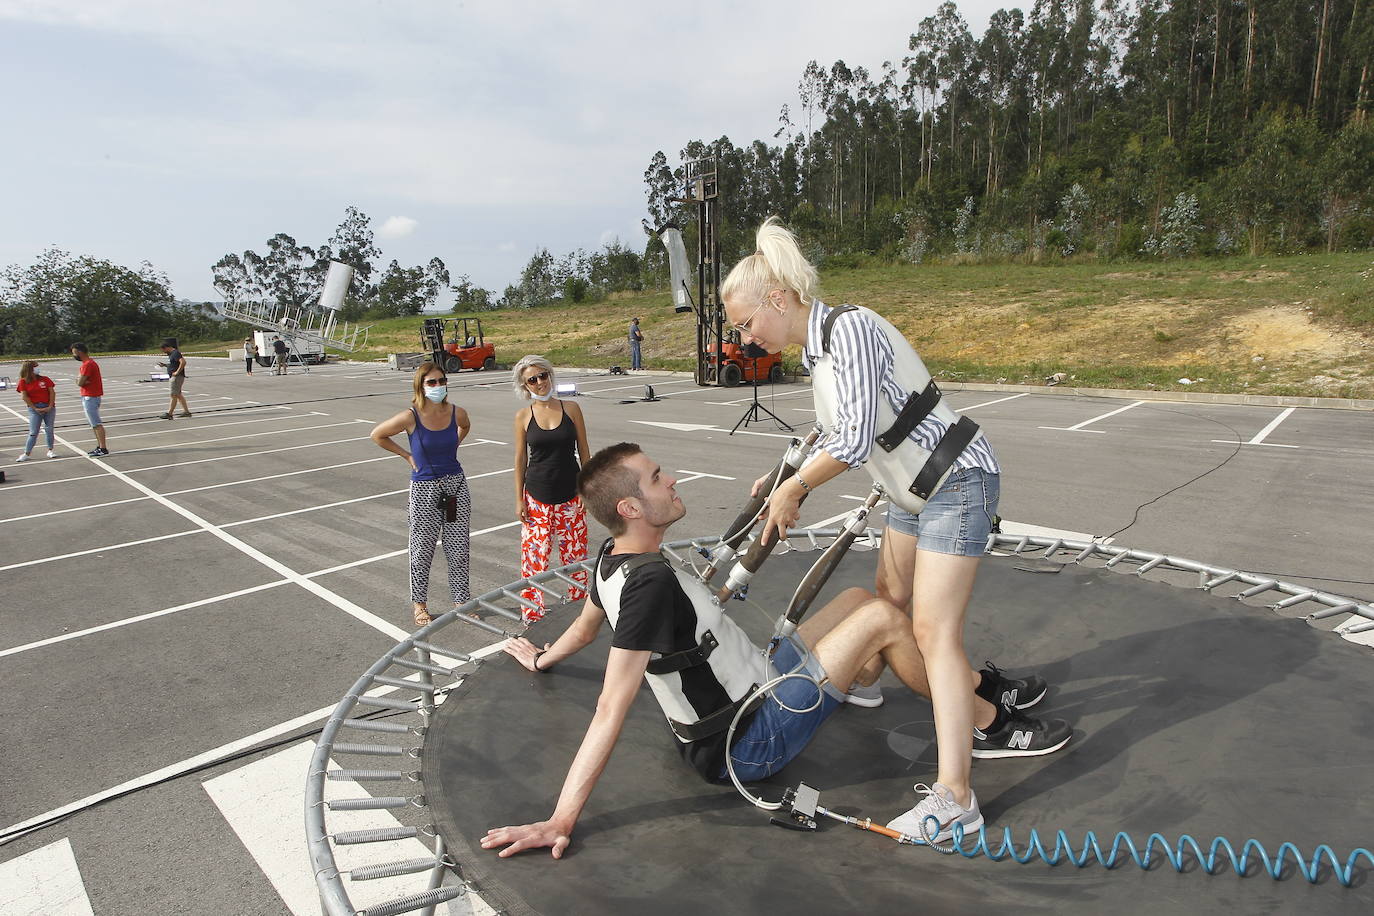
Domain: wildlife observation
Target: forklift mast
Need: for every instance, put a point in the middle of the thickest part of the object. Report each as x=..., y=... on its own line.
x=702, y=190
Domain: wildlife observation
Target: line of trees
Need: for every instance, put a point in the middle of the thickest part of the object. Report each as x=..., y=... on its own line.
x=59, y=299
x=293, y=274
x=1170, y=127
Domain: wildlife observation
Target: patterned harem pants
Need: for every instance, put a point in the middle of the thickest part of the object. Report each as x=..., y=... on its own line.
x=426, y=525
x=566, y=521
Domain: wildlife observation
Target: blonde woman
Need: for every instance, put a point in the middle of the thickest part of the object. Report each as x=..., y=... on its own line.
x=439, y=498
x=40, y=397
x=864, y=374
x=550, y=437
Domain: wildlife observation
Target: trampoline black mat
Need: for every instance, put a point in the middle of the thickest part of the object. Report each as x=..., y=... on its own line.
x=1193, y=714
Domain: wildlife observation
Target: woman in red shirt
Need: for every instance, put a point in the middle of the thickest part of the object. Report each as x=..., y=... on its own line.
x=40, y=396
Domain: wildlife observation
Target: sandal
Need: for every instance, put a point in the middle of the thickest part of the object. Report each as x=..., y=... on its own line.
x=422, y=618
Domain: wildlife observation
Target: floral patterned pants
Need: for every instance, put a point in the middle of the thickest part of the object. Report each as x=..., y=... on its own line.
x=566, y=521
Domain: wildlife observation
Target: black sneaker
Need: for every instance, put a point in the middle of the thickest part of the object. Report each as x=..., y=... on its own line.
x=1017, y=693
x=1020, y=736
x=98, y=452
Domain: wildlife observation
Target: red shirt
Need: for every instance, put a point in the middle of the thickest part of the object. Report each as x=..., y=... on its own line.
x=37, y=388
x=93, y=388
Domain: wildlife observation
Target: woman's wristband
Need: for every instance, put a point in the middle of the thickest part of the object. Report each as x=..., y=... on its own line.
x=536, y=660
x=804, y=485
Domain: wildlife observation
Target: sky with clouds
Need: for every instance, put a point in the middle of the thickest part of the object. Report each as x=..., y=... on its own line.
x=176, y=132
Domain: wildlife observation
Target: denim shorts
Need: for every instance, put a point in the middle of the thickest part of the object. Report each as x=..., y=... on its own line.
x=92, y=407
x=776, y=734
x=958, y=518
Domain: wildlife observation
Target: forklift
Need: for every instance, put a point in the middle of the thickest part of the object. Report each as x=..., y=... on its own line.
x=466, y=346
x=721, y=359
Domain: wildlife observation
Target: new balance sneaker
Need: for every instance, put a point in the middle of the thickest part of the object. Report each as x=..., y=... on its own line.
x=98, y=452
x=936, y=814
x=869, y=696
x=1013, y=734
x=1000, y=690
x=23, y=457
x=52, y=454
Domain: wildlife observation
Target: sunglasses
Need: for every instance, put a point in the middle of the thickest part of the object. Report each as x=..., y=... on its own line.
x=534, y=379
x=743, y=326
x=435, y=382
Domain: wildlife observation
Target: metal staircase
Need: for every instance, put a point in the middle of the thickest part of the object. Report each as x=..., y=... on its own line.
x=295, y=323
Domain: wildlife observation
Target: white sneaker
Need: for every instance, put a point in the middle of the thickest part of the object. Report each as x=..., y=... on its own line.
x=870, y=696
x=22, y=458
x=936, y=814
x=52, y=454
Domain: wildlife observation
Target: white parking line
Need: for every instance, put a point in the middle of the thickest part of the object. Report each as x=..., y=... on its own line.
x=1010, y=397
x=271, y=432
x=1264, y=433
x=1078, y=427
x=45, y=882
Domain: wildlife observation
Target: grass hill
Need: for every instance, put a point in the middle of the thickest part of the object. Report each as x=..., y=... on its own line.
x=1300, y=325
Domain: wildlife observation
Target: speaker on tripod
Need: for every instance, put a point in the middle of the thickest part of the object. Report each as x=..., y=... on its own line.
x=756, y=412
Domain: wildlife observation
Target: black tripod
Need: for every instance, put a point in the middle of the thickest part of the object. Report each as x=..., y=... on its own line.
x=756, y=410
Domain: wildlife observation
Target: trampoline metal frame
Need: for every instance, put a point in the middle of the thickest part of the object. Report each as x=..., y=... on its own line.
x=419, y=673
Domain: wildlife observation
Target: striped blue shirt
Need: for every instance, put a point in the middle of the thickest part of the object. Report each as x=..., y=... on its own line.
x=864, y=369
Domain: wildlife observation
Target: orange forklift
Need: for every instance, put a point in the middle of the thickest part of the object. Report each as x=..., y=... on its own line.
x=457, y=344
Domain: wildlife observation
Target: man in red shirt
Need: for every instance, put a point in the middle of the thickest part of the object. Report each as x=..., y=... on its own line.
x=92, y=390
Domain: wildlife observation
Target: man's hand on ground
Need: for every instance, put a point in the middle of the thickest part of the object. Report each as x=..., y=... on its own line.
x=528, y=836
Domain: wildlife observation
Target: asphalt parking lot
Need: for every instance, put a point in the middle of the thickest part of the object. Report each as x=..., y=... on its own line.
x=217, y=578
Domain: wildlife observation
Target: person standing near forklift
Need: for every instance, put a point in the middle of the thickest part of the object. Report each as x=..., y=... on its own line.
x=636, y=338
x=279, y=355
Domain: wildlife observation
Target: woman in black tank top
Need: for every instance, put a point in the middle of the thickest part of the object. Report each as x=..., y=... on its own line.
x=550, y=438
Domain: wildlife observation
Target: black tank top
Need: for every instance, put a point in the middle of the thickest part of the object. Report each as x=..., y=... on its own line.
x=551, y=476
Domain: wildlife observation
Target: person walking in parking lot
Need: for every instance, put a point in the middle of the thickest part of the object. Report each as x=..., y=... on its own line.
x=40, y=397
x=439, y=500
x=92, y=391
x=279, y=355
x=176, y=374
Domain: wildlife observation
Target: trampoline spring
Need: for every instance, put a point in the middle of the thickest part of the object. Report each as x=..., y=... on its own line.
x=1348, y=608
x=373, y=775
x=1257, y=589
x=480, y=624
x=1087, y=552
x=420, y=666
x=1292, y=600
x=387, y=703
x=1021, y=544
x=567, y=579
x=1124, y=555
x=369, y=803
x=376, y=750
x=393, y=869
x=497, y=609
x=368, y=725
x=1359, y=628
x=402, y=683
x=375, y=835
x=521, y=599
x=1151, y=564
x=415, y=901
x=1210, y=584
x=440, y=650
x=1053, y=547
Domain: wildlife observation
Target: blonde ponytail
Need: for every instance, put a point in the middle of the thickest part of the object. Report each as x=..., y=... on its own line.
x=777, y=264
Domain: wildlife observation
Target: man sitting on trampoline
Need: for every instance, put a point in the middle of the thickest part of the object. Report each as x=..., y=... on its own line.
x=669, y=629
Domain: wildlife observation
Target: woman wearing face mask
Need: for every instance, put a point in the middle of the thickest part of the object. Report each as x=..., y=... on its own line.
x=439, y=500
x=550, y=437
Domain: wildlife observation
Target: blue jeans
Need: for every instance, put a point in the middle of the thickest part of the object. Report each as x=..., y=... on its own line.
x=36, y=420
x=776, y=734
x=634, y=354
x=958, y=518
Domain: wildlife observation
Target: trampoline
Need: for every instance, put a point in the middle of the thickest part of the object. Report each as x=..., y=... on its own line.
x=1195, y=715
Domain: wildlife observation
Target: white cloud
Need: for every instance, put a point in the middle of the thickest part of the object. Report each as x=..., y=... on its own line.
x=398, y=227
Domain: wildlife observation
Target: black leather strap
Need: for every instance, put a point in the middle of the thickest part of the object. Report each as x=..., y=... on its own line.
x=916, y=409
x=947, y=451
x=830, y=323
x=687, y=658
x=717, y=721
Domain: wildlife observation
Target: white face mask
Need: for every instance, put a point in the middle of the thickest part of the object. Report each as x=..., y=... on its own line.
x=542, y=397
x=437, y=393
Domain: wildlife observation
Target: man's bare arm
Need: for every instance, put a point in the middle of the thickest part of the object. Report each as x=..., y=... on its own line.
x=624, y=670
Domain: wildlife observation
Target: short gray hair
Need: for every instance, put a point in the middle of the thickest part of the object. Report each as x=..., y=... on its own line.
x=517, y=375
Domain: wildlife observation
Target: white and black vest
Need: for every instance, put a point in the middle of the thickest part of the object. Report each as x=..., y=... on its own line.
x=722, y=651
x=907, y=471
